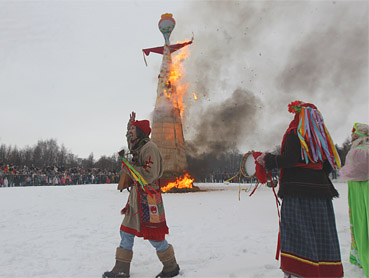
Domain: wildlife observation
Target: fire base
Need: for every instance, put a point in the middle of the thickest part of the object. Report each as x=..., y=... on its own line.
x=194, y=188
x=165, y=181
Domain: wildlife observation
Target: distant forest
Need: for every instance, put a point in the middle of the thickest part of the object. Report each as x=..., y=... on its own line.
x=48, y=153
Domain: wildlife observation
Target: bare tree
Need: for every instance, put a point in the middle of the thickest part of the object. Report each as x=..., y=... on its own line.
x=89, y=162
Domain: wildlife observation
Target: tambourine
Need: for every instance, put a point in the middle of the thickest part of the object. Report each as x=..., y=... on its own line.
x=248, y=166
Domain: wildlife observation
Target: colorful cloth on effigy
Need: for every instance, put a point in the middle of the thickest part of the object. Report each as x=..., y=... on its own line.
x=309, y=241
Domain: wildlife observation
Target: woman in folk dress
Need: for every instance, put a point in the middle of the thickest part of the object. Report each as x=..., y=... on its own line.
x=309, y=244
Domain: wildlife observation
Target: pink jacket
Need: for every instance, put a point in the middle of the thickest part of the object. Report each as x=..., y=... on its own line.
x=357, y=165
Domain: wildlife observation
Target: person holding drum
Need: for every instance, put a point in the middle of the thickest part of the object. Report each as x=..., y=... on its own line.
x=309, y=245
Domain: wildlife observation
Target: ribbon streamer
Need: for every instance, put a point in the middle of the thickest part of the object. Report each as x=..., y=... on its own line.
x=137, y=176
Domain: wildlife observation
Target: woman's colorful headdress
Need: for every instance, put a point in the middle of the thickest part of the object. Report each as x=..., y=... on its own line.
x=354, y=130
x=316, y=143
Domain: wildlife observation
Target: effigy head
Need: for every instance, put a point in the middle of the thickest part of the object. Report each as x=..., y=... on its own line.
x=166, y=26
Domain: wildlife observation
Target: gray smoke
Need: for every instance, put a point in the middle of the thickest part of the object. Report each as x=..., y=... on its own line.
x=249, y=55
x=332, y=57
x=221, y=127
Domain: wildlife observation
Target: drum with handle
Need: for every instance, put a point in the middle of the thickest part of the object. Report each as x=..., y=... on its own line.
x=248, y=166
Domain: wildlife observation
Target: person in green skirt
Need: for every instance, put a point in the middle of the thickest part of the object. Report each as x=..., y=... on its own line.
x=356, y=172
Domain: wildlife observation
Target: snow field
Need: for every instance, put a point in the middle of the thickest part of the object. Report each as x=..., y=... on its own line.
x=73, y=231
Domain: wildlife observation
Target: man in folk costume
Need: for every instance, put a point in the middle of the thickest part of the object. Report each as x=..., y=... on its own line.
x=308, y=240
x=356, y=172
x=144, y=212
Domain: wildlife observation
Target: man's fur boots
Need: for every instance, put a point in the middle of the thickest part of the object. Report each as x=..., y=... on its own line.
x=170, y=266
x=122, y=264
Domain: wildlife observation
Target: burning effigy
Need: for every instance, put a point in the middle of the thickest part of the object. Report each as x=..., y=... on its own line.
x=167, y=130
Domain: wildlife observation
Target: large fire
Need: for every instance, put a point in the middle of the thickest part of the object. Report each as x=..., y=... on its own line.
x=177, y=72
x=183, y=182
x=179, y=87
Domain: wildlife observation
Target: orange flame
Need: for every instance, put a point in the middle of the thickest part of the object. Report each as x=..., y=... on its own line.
x=185, y=182
x=194, y=96
x=177, y=73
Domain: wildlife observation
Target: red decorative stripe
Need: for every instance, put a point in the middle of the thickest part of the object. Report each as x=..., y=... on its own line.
x=315, y=166
x=308, y=268
x=157, y=234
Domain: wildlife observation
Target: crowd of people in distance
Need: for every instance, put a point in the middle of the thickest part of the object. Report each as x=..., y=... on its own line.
x=12, y=175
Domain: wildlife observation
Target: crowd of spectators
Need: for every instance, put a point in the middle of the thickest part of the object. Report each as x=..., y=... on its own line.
x=11, y=175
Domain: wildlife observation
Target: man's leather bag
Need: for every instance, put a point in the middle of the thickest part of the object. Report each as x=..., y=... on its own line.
x=124, y=181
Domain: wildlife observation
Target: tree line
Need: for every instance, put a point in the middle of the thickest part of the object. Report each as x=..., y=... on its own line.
x=48, y=153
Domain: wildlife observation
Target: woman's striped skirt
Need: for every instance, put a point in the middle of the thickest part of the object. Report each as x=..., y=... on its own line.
x=309, y=241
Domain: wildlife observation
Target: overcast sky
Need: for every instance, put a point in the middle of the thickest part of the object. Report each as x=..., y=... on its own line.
x=73, y=70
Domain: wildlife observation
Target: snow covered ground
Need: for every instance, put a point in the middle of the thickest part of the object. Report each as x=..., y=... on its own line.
x=72, y=231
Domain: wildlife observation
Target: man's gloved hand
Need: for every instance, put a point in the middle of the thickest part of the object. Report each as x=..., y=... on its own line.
x=260, y=159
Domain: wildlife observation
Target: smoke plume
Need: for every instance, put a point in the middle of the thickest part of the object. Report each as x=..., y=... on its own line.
x=250, y=59
x=221, y=126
